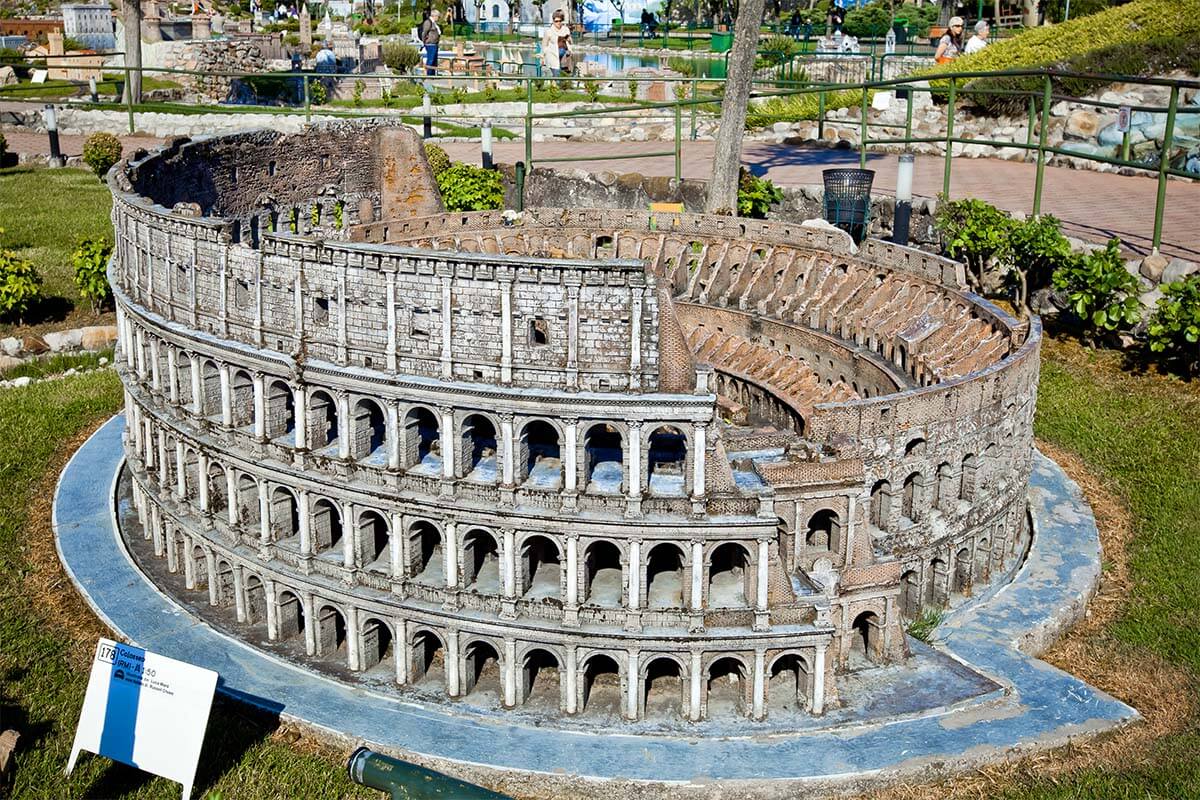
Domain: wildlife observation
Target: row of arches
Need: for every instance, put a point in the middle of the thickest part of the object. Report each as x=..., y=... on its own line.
x=479, y=446
x=495, y=672
x=919, y=494
x=956, y=573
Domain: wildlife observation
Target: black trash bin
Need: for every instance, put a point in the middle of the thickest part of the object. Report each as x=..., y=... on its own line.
x=847, y=201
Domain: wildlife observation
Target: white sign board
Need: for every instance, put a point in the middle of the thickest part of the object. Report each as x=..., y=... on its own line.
x=39, y=75
x=1124, y=118
x=145, y=710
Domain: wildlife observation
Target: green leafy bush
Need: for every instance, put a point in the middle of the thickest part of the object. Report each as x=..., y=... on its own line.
x=871, y=20
x=1036, y=248
x=459, y=94
x=91, y=260
x=469, y=188
x=796, y=107
x=633, y=91
x=400, y=57
x=922, y=627
x=976, y=233
x=359, y=86
x=756, y=195
x=20, y=285
x=439, y=162
x=592, y=87
x=3, y=146
x=1102, y=294
x=779, y=48
x=1174, y=328
x=100, y=152
x=317, y=93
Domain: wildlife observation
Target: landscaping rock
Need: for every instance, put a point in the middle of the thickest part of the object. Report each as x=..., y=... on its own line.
x=98, y=337
x=63, y=341
x=8, y=362
x=34, y=345
x=1153, y=266
x=22, y=381
x=8, y=77
x=1060, y=109
x=1150, y=299
x=1083, y=124
x=1109, y=136
x=1178, y=269
x=10, y=346
x=882, y=101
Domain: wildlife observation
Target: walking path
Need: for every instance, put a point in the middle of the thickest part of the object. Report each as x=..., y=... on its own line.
x=1092, y=205
x=1041, y=707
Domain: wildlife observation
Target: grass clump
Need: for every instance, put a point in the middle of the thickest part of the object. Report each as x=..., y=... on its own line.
x=922, y=628
x=797, y=107
x=57, y=364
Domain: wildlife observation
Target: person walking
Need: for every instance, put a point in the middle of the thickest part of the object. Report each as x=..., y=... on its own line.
x=431, y=35
x=556, y=46
x=980, y=39
x=951, y=44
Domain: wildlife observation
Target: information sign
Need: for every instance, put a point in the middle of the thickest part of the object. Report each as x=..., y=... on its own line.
x=1124, y=117
x=145, y=710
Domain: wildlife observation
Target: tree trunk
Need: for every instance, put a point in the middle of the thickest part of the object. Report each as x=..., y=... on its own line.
x=131, y=18
x=723, y=186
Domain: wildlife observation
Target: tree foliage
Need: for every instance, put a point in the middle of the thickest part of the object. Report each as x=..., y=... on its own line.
x=1102, y=294
x=468, y=188
x=91, y=262
x=20, y=285
x=1174, y=328
x=100, y=152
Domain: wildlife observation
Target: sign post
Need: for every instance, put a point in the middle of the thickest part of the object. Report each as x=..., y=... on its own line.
x=145, y=710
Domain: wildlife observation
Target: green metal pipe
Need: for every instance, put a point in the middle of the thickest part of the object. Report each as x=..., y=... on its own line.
x=405, y=781
x=821, y=115
x=529, y=124
x=695, y=97
x=307, y=101
x=678, y=142
x=1164, y=164
x=949, y=139
x=1043, y=130
x=129, y=99
x=862, y=131
x=1032, y=121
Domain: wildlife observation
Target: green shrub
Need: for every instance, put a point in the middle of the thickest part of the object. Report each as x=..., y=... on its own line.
x=633, y=91
x=20, y=285
x=317, y=93
x=3, y=146
x=1102, y=294
x=359, y=86
x=925, y=624
x=100, y=152
x=1174, y=328
x=400, y=57
x=871, y=20
x=1035, y=249
x=469, y=188
x=975, y=232
x=91, y=260
x=592, y=87
x=439, y=162
x=779, y=48
x=796, y=107
x=459, y=94
x=756, y=195
x=553, y=92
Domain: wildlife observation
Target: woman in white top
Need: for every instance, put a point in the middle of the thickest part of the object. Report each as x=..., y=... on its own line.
x=979, y=40
x=556, y=45
x=951, y=45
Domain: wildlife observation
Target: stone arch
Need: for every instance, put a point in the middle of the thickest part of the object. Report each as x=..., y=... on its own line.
x=377, y=644
x=482, y=669
x=422, y=440
x=600, y=687
x=426, y=553
x=225, y=583
x=938, y=577
x=866, y=639
x=664, y=687
x=916, y=447
x=824, y=531
x=368, y=432
x=603, y=574
x=285, y=515
x=910, y=593
x=324, y=426
x=289, y=614
x=727, y=690
x=241, y=396
x=730, y=576
x=255, y=599
x=210, y=389
x=374, y=540
x=478, y=449
x=945, y=491
x=788, y=676
x=970, y=468
x=330, y=631
x=603, y=459
x=248, y=506
x=881, y=504
x=962, y=571
x=191, y=475
x=539, y=455
x=539, y=568
x=481, y=561
x=913, y=502
x=427, y=652
x=666, y=461
x=281, y=412
x=983, y=559
x=541, y=678
x=218, y=488
x=326, y=527
x=665, y=575
x=183, y=377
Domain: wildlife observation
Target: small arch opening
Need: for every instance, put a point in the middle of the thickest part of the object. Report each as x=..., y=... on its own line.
x=540, y=456
x=664, y=577
x=602, y=574
x=729, y=577
x=541, y=569
x=603, y=460
x=666, y=462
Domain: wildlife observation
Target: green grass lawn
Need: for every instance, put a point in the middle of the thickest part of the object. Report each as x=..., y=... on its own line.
x=44, y=213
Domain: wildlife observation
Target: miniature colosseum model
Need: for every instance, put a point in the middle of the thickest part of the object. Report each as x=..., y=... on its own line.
x=667, y=465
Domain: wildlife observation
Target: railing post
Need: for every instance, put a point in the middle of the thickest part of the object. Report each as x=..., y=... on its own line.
x=520, y=178
x=529, y=123
x=1125, y=145
x=821, y=115
x=1029, y=130
x=129, y=97
x=949, y=138
x=1043, y=129
x=307, y=101
x=912, y=93
x=1164, y=164
x=862, y=130
x=678, y=140
x=695, y=96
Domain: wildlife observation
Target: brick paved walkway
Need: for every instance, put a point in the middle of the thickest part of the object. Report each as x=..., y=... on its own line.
x=1092, y=205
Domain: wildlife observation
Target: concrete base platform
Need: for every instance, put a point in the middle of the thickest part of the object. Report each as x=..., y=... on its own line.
x=994, y=698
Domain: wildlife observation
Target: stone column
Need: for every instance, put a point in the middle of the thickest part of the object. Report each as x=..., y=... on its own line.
x=508, y=606
x=570, y=455
x=310, y=625
x=304, y=522
x=447, y=317
x=396, y=546
x=452, y=684
x=570, y=674
x=392, y=332
x=353, y=643
x=300, y=404
x=260, y=406
x=180, y=473
x=759, y=704
x=572, y=570
x=762, y=617
x=393, y=433
x=446, y=430
x=345, y=426
x=264, y=515
x=155, y=372
x=272, y=610
x=635, y=461
x=450, y=556
x=696, y=674
x=635, y=338
x=202, y=482
x=506, y=449
x=506, y=338
x=632, y=686
x=231, y=493
x=697, y=576
x=818, y=694
x=197, y=387
x=635, y=574
x=172, y=377
x=510, y=673
x=226, y=397
x=699, y=444
x=572, y=332
x=349, y=536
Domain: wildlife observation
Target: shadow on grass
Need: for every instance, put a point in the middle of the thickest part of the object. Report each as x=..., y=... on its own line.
x=234, y=728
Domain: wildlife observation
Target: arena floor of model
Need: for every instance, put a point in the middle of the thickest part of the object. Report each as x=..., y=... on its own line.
x=977, y=696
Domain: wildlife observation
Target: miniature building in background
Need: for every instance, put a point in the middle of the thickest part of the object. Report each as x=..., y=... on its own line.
x=675, y=465
x=91, y=25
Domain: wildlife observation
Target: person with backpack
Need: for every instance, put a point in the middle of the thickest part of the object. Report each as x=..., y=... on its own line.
x=431, y=36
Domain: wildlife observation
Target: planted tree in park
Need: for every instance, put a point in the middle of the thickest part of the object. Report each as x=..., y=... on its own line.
x=91, y=262
x=100, y=152
x=723, y=185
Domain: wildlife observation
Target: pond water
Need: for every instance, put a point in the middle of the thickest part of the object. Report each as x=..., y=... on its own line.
x=609, y=63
